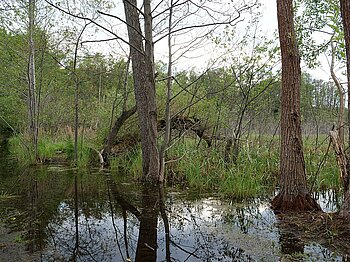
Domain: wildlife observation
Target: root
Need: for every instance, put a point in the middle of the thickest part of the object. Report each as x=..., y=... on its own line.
x=283, y=203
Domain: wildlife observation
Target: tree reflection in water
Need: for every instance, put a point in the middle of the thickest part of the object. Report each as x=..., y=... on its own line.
x=290, y=242
x=147, y=240
x=92, y=217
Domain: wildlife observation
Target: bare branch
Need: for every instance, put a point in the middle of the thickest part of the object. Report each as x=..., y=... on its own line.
x=121, y=20
x=95, y=23
x=98, y=40
x=228, y=22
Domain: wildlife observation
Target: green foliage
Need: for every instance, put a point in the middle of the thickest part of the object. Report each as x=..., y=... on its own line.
x=129, y=163
x=204, y=169
x=254, y=174
x=321, y=165
x=52, y=149
x=19, y=147
x=323, y=20
x=240, y=97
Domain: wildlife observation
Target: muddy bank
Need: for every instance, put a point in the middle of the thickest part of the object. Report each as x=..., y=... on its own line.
x=12, y=248
x=327, y=229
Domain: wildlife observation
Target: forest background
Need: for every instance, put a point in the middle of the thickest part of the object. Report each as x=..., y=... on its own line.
x=218, y=78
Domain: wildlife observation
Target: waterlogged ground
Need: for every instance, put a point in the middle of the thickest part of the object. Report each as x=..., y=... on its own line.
x=54, y=213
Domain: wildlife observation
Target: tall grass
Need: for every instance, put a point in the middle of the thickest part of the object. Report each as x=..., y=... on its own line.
x=321, y=164
x=129, y=163
x=197, y=166
x=256, y=171
x=204, y=169
x=50, y=148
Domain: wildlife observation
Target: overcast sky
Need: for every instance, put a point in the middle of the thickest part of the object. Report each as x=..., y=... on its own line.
x=202, y=57
x=269, y=23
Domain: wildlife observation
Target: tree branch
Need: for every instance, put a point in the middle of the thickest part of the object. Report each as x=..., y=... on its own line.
x=95, y=23
x=230, y=21
x=121, y=20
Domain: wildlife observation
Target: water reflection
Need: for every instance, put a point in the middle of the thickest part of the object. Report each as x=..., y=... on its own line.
x=67, y=215
x=289, y=239
x=147, y=240
x=329, y=200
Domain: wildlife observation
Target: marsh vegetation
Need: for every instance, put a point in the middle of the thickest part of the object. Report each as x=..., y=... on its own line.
x=125, y=138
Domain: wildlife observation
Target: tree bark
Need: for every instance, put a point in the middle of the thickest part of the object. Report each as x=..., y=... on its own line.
x=341, y=97
x=345, y=13
x=341, y=158
x=113, y=133
x=32, y=106
x=144, y=87
x=293, y=195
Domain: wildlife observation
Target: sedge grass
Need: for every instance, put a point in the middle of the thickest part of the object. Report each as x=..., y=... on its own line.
x=50, y=147
x=255, y=172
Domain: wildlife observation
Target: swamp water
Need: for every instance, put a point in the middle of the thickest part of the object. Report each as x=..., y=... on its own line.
x=60, y=214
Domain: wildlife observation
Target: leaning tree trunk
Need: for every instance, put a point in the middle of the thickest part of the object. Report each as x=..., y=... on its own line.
x=345, y=12
x=293, y=195
x=112, y=136
x=144, y=87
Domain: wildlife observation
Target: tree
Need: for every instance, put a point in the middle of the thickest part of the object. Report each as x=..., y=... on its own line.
x=163, y=147
x=32, y=94
x=293, y=195
x=323, y=18
x=144, y=86
x=345, y=12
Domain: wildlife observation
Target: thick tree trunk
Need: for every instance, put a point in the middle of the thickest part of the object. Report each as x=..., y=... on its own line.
x=345, y=209
x=345, y=12
x=293, y=195
x=144, y=86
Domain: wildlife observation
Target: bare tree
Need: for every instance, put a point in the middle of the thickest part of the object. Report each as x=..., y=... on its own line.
x=147, y=26
x=32, y=105
x=76, y=93
x=165, y=144
x=144, y=86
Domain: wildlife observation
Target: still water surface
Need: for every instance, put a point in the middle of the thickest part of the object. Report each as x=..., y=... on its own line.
x=68, y=215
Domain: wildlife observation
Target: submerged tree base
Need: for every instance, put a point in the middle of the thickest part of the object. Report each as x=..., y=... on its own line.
x=345, y=209
x=285, y=203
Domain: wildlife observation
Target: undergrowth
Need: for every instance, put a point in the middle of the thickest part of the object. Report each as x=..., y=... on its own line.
x=197, y=166
x=50, y=149
x=255, y=172
x=204, y=169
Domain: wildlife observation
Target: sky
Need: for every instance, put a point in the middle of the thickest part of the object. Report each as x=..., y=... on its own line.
x=203, y=56
x=269, y=23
